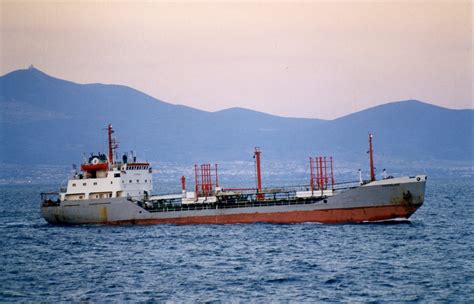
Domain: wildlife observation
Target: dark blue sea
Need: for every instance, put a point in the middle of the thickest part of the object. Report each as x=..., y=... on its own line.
x=428, y=259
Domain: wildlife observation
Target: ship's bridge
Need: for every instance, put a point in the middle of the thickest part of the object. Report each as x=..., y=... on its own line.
x=120, y=180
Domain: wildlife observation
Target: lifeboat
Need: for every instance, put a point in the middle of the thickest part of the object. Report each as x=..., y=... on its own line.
x=94, y=167
x=96, y=163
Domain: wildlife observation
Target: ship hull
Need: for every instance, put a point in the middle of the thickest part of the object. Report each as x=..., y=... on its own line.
x=376, y=201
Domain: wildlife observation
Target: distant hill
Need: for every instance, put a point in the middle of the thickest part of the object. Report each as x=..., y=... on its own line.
x=45, y=120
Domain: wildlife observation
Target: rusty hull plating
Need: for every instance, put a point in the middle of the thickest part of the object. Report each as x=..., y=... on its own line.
x=375, y=201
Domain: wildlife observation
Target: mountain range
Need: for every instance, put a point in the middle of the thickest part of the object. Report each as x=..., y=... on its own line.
x=46, y=120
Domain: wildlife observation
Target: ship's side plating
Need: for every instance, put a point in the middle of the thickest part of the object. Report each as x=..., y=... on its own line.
x=375, y=201
x=119, y=192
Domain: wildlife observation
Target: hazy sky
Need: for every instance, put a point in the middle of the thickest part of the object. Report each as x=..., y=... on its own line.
x=303, y=59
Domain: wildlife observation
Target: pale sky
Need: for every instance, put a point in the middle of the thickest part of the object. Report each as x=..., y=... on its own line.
x=300, y=59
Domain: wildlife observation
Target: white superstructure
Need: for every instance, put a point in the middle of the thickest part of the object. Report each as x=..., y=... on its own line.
x=103, y=177
x=123, y=180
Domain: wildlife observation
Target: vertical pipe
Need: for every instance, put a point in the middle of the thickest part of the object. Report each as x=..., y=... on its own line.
x=111, y=150
x=209, y=178
x=325, y=173
x=311, y=181
x=196, y=182
x=203, y=178
x=259, y=174
x=217, y=179
x=317, y=171
x=321, y=171
x=183, y=183
x=332, y=175
x=371, y=155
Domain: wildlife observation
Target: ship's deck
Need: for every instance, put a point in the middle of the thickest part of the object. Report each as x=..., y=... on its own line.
x=161, y=207
x=247, y=199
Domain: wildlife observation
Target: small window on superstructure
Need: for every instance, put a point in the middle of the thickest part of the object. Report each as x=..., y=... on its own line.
x=95, y=183
x=74, y=185
x=130, y=181
x=111, y=182
x=138, y=180
x=80, y=196
x=84, y=184
x=145, y=180
x=116, y=174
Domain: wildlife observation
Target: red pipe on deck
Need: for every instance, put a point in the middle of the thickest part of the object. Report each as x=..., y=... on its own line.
x=325, y=173
x=259, y=174
x=332, y=175
x=371, y=155
x=321, y=172
x=196, y=181
x=183, y=183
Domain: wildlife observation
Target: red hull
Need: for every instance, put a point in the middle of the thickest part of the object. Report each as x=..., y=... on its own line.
x=332, y=216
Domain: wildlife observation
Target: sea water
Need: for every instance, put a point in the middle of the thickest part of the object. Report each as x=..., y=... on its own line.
x=430, y=258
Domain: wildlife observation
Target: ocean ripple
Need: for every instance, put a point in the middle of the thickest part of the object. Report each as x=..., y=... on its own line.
x=429, y=258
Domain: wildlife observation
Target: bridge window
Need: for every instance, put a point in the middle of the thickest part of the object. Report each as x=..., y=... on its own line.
x=116, y=174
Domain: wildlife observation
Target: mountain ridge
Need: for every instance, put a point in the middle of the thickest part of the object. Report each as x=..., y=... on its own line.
x=49, y=120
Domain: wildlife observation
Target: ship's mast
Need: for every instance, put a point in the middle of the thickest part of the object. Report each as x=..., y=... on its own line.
x=371, y=155
x=112, y=144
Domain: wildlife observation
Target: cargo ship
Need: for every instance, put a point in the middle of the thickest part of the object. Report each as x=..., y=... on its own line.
x=116, y=192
